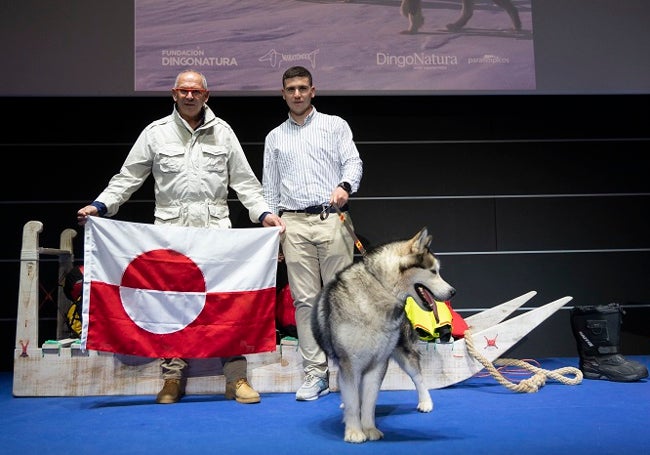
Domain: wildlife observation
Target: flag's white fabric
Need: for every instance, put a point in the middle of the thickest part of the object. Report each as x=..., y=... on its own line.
x=169, y=291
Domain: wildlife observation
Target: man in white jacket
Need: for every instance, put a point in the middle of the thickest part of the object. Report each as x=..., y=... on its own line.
x=194, y=157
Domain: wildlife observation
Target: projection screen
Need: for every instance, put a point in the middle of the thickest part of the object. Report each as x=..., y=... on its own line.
x=353, y=47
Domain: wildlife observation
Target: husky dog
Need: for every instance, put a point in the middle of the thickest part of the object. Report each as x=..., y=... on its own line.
x=360, y=322
x=412, y=9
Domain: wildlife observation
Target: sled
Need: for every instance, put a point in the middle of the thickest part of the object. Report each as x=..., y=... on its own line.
x=446, y=364
x=61, y=368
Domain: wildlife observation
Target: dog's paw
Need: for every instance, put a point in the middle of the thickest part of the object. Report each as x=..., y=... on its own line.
x=355, y=436
x=425, y=406
x=373, y=434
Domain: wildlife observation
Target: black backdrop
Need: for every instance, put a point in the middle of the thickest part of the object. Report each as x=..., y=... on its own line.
x=545, y=192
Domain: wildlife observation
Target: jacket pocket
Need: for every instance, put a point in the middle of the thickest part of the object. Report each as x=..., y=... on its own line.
x=214, y=158
x=165, y=215
x=219, y=211
x=171, y=160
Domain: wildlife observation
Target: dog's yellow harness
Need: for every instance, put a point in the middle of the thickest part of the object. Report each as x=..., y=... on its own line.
x=430, y=325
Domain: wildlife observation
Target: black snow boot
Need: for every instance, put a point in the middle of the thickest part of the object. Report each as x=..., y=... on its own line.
x=597, y=332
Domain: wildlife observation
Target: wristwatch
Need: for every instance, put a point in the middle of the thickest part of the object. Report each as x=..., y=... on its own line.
x=346, y=186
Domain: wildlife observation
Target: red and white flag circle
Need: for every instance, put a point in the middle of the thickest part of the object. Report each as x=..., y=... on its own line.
x=167, y=291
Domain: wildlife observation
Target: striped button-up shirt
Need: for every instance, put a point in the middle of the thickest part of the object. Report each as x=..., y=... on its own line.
x=304, y=163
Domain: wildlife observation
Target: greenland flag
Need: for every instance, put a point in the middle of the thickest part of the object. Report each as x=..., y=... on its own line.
x=169, y=291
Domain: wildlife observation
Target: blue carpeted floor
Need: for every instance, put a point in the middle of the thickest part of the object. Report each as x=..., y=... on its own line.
x=477, y=416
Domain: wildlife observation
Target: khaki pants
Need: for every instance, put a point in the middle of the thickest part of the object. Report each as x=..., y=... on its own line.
x=234, y=368
x=314, y=250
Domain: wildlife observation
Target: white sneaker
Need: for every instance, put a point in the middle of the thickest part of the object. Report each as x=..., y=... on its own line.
x=313, y=388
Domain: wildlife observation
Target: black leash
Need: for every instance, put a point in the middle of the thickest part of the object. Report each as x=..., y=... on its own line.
x=326, y=213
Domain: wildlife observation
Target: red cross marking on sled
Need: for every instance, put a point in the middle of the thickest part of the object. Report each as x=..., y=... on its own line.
x=23, y=347
x=491, y=343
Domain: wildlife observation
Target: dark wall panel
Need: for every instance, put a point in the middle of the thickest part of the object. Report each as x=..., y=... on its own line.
x=573, y=223
x=516, y=199
x=487, y=168
x=456, y=224
x=483, y=280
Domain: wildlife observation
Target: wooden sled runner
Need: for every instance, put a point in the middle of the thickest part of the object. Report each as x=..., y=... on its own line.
x=61, y=368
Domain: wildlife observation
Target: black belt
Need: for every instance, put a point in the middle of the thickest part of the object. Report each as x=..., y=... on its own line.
x=314, y=210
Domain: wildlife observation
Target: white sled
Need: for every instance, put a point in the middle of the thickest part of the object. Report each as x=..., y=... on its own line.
x=61, y=368
x=444, y=364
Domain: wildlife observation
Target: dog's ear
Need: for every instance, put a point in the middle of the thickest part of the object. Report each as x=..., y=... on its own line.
x=421, y=241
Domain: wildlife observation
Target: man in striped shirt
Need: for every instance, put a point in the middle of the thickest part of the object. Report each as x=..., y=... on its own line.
x=310, y=163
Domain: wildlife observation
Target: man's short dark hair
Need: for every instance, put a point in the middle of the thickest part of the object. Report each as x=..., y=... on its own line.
x=296, y=71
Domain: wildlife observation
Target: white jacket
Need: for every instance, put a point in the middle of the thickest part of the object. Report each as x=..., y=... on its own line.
x=192, y=171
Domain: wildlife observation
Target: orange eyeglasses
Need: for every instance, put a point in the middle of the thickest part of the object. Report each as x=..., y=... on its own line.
x=187, y=91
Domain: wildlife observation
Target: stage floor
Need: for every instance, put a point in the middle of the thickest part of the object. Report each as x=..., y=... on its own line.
x=477, y=416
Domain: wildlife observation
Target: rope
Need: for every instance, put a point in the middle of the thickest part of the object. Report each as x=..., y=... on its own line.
x=531, y=384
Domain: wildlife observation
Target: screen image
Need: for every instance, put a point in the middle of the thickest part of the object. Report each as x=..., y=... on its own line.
x=352, y=46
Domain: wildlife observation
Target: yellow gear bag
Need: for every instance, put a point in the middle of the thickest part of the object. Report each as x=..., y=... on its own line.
x=429, y=325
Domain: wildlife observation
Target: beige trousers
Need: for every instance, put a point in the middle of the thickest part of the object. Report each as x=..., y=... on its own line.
x=314, y=250
x=234, y=368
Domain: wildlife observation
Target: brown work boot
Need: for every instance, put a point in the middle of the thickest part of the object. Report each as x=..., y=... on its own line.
x=242, y=392
x=171, y=392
